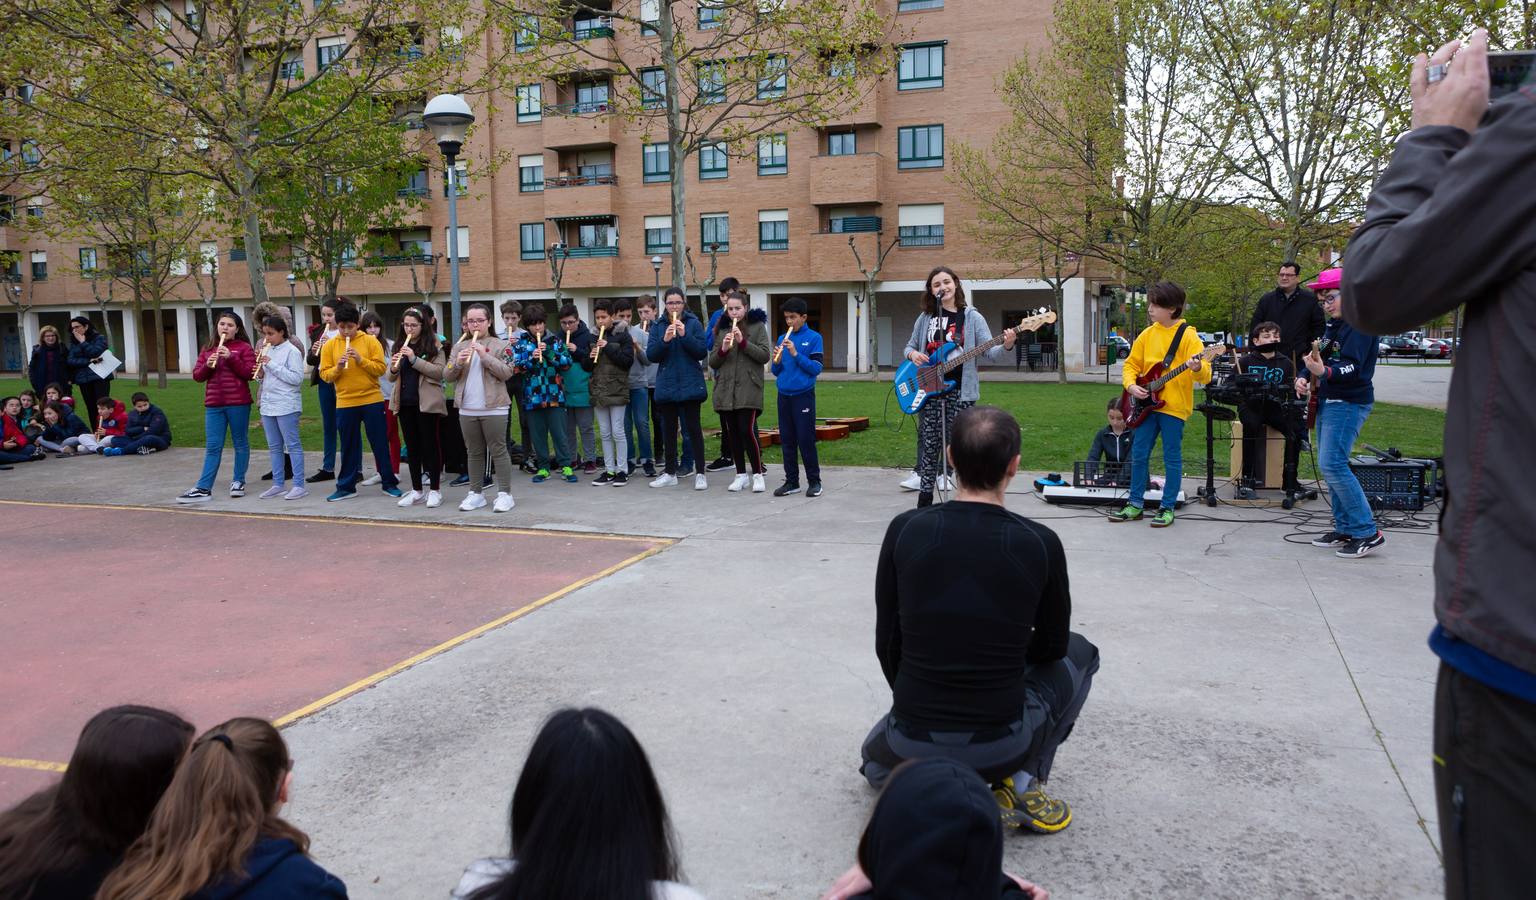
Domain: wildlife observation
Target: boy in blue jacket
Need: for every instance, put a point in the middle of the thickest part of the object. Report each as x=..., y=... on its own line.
x=1343, y=370
x=148, y=430
x=796, y=363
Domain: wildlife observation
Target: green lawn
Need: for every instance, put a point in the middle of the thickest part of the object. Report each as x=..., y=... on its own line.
x=1059, y=422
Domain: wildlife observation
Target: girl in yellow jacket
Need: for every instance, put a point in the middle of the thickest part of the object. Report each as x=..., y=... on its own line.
x=1165, y=307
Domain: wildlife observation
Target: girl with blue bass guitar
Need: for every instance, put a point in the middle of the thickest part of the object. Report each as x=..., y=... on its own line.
x=947, y=324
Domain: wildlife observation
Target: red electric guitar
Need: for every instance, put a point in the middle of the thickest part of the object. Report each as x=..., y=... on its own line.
x=1136, y=411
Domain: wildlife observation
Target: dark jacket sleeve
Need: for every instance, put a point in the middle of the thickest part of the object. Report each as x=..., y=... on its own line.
x=1432, y=237
x=887, y=604
x=1098, y=450
x=621, y=349
x=1054, y=616
x=1353, y=363
x=1259, y=313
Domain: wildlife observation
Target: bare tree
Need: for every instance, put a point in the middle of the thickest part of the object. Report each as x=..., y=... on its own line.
x=867, y=295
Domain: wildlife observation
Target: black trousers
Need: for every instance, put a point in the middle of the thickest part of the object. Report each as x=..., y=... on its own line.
x=727, y=426
x=1283, y=419
x=1485, y=788
x=420, y=432
x=685, y=414
x=93, y=391
x=742, y=440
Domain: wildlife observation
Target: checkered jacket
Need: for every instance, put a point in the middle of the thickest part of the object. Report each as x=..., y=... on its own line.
x=543, y=386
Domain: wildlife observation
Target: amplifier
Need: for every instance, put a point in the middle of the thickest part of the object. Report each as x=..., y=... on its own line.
x=1396, y=485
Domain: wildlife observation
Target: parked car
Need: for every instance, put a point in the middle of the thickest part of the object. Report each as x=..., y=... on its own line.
x=1398, y=345
x=1123, y=345
x=1437, y=348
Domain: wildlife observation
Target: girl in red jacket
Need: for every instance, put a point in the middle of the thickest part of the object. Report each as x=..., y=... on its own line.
x=15, y=446
x=225, y=366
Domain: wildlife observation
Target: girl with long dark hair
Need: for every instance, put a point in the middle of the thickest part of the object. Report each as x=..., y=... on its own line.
x=946, y=317
x=588, y=820
x=677, y=342
x=225, y=366
x=739, y=348
x=217, y=832
x=86, y=346
x=319, y=333
x=59, y=843
x=418, y=402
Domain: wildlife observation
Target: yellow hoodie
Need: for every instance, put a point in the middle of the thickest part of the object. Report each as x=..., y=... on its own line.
x=1150, y=348
x=358, y=383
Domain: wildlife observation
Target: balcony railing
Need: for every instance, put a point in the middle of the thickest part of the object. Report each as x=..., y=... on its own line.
x=401, y=259
x=587, y=29
x=851, y=224
x=565, y=181
x=576, y=109
x=413, y=191
x=588, y=252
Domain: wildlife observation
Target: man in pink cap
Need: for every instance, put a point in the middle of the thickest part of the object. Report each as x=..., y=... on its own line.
x=1343, y=369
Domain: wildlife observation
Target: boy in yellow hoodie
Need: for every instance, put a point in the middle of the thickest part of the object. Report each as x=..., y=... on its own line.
x=1165, y=307
x=353, y=362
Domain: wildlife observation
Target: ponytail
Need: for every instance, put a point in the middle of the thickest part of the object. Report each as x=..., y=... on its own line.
x=223, y=799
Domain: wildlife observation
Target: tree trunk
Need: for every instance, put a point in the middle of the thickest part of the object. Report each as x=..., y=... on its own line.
x=138, y=321
x=872, y=336
x=1061, y=345
x=250, y=217
x=665, y=32
x=159, y=339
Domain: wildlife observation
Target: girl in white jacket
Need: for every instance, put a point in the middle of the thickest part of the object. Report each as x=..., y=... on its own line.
x=281, y=373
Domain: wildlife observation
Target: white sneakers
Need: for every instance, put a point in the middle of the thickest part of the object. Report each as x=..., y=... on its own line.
x=504, y=503
x=475, y=500
x=757, y=484
x=664, y=480
x=409, y=498
x=700, y=483
x=913, y=482
x=472, y=501
x=740, y=482
x=434, y=499
x=372, y=480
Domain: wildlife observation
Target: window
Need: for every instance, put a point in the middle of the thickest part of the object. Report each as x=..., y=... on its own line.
x=920, y=225
x=920, y=147
x=530, y=173
x=922, y=66
x=712, y=82
x=30, y=154
x=35, y=208
x=87, y=260
x=25, y=92
x=463, y=247
x=653, y=88
x=530, y=239
x=910, y=5
x=194, y=16
x=527, y=33
x=330, y=49
x=348, y=255
x=7, y=209
x=591, y=96
x=13, y=269
x=773, y=155
x=774, y=80
x=416, y=186
x=715, y=228
x=177, y=266
x=39, y=265
x=713, y=163
x=291, y=68
x=588, y=26
x=773, y=229
x=650, y=13
x=530, y=103
x=710, y=15
x=208, y=252
x=843, y=144
x=658, y=162
x=450, y=40
x=417, y=243
x=598, y=234
x=460, y=179
x=658, y=234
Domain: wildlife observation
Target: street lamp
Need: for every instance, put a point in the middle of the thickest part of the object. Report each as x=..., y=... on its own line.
x=656, y=267
x=449, y=118
x=293, y=300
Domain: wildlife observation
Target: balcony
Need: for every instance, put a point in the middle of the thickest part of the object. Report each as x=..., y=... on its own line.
x=401, y=259
x=588, y=267
x=571, y=126
x=831, y=260
x=589, y=252
x=851, y=224
x=845, y=180
x=580, y=196
x=592, y=28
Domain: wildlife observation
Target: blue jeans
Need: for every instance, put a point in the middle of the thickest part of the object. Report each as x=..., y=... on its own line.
x=797, y=435
x=328, y=425
x=283, y=437
x=215, y=420
x=1338, y=425
x=350, y=422
x=1171, y=429
x=637, y=426
x=133, y=445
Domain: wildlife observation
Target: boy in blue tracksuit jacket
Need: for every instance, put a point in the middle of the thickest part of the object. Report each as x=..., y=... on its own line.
x=796, y=363
x=147, y=431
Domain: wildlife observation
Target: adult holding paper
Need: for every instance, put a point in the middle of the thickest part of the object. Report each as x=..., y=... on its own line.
x=87, y=346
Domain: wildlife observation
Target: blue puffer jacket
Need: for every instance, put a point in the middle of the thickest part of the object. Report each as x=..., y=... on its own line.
x=679, y=380
x=80, y=356
x=276, y=870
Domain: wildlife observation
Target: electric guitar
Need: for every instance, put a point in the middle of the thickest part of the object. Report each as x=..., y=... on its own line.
x=1154, y=379
x=916, y=384
x=1311, y=419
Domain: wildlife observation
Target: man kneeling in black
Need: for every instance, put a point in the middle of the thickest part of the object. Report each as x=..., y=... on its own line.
x=1274, y=369
x=971, y=627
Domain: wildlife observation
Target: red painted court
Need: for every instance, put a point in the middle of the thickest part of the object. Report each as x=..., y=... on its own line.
x=214, y=615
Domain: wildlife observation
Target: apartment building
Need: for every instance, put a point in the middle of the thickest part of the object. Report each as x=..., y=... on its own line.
x=779, y=220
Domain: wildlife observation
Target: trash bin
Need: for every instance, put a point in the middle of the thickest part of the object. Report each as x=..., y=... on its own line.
x=1105, y=354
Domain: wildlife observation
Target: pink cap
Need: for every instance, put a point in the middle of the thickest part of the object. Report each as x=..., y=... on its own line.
x=1327, y=280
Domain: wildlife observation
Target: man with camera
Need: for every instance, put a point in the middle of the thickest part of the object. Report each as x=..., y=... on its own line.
x=1453, y=221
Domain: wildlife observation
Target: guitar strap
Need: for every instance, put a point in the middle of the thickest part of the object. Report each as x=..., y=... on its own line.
x=1173, y=348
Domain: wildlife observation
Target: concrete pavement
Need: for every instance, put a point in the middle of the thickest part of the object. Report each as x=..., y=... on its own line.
x=1260, y=726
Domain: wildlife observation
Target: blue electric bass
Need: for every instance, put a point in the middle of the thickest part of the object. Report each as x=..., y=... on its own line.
x=916, y=385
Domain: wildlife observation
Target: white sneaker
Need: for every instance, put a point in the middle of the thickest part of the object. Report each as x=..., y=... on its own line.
x=472, y=502
x=944, y=483
x=757, y=484
x=664, y=480
x=434, y=499
x=700, y=483
x=913, y=482
x=372, y=480
x=504, y=503
x=739, y=482
x=410, y=498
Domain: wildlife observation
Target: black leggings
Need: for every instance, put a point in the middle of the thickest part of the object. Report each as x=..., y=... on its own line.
x=688, y=411
x=93, y=391
x=741, y=439
x=420, y=432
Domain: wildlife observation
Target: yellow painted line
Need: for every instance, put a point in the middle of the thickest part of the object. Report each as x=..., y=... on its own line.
x=449, y=644
x=377, y=523
x=38, y=764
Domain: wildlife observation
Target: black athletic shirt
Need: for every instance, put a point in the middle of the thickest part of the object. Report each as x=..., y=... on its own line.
x=941, y=329
x=967, y=595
